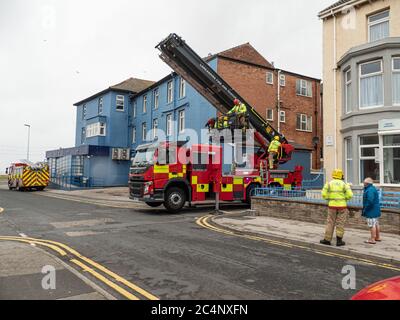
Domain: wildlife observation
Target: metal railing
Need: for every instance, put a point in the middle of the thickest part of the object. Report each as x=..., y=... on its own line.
x=388, y=200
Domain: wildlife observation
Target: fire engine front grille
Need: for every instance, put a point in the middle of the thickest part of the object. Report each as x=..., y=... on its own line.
x=136, y=186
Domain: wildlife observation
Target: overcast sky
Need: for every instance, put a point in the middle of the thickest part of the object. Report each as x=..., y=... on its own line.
x=54, y=53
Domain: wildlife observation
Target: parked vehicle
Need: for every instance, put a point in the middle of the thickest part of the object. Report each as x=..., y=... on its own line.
x=28, y=176
x=383, y=290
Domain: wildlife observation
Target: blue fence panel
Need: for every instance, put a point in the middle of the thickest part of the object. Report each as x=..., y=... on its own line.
x=388, y=200
x=316, y=183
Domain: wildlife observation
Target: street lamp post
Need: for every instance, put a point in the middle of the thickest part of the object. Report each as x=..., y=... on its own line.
x=29, y=137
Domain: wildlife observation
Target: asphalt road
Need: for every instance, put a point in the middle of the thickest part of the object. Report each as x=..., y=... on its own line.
x=172, y=257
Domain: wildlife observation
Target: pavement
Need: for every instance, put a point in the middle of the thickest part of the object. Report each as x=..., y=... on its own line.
x=147, y=253
x=23, y=272
x=311, y=233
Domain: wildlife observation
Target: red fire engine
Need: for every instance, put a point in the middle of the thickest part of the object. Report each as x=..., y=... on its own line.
x=173, y=174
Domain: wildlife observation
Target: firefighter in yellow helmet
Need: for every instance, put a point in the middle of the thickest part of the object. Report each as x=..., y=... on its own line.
x=337, y=192
x=273, y=151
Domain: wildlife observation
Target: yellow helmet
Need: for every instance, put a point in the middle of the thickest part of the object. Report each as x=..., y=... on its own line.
x=277, y=138
x=337, y=174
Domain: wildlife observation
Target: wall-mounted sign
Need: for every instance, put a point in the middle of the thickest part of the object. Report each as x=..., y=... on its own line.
x=330, y=142
x=389, y=124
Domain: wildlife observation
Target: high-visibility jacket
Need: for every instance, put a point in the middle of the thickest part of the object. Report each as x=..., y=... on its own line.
x=337, y=192
x=238, y=109
x=274, y=146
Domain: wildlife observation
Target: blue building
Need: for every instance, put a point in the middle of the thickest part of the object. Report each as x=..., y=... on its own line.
x=101, y=156
x=111, y=124
x=171, y=110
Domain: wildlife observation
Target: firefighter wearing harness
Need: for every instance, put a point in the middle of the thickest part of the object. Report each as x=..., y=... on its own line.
x=337, y=192
x=273, y=151
x=239, y=111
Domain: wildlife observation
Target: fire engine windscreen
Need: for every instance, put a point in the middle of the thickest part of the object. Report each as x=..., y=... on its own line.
x=144, y=156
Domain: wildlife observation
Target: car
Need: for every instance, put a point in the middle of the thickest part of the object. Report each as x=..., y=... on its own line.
x=383, y=290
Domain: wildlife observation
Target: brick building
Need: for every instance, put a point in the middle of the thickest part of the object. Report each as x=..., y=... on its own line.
x=298, y=115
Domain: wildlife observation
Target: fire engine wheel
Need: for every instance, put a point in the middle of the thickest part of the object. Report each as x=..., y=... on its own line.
x=249, y=192
x=154, y=204
x=175, y=200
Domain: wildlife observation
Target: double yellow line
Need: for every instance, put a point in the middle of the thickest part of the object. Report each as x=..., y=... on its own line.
x=111, y=279
x=205, y=223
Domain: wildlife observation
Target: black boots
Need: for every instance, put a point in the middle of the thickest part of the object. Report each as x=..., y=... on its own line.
x=325, y=242
x=340, y=242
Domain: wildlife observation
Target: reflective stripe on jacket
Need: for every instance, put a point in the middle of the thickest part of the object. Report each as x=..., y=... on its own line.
x=274, y=146
x=337, y=192
x=238, y=109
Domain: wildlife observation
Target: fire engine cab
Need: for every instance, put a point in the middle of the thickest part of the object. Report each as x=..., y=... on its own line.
x=174, y=173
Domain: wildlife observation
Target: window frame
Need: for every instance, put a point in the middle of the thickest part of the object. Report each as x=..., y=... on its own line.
x=272, y=112
x=144, y=105
x=395, y=71
x=170, y=91
x=348, y=158
x=156, y=98
x=155, y=128
x=360, y=77
x=94, y=130
x=347, y=88
x=100, y=105
x=382, y=149
x=169, y=126
x=307, y=82
x=144, y=131
x=135, y=109
x=282, y=80
x=269, y=73
x=181, y=123
x=361, y=158
x=282, y=112
x=301, y=122
x=84, y=111
x=134, y=134
x=374, y=23
x=182, y=88
x=118, y=99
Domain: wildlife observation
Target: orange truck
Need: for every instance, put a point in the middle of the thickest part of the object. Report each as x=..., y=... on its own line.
x=27, y=176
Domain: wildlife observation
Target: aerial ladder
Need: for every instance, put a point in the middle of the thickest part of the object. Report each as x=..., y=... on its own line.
x=197, y=72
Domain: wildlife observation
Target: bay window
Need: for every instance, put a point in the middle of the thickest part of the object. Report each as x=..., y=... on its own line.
x=348, y=145
x=369, y=154
x=391, y=159
x=396, y=81
x=371, y=84
x=347, y=91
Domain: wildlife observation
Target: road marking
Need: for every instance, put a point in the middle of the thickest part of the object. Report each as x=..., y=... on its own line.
x=105, y=280
x=25, y=240
x=91, y=201
x=203, y=222
x=62, y=249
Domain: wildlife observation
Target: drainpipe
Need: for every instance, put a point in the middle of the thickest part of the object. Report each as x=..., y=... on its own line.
x=335, y=88
x=279, y=101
